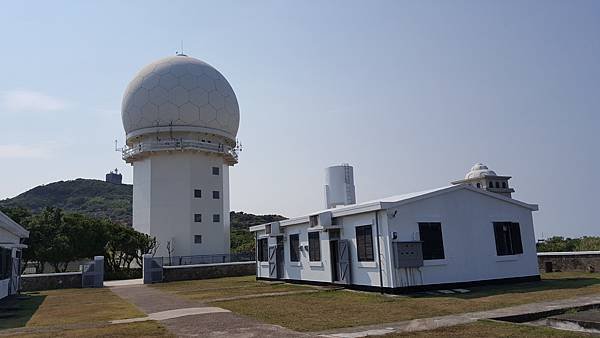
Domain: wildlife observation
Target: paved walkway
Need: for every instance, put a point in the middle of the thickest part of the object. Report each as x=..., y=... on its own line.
x=137, y=281
x=185, y=318
x=464, y=318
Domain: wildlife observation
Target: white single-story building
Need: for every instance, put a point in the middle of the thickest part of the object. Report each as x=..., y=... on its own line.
x=448, y=237
x=11, y=244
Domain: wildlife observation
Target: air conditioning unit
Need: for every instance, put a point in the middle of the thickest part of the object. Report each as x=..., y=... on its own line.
x=323, y=219
x=273, y=229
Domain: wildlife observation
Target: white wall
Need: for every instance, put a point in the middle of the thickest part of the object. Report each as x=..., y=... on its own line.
x=164, y=203
x=468, y=236
x=363, y=273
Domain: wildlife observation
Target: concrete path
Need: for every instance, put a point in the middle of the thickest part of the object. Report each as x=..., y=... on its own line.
x=464, y=318
x=211, y=322
x=124, y=282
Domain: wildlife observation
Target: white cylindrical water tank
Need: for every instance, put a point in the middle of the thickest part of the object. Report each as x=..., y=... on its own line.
x=339, y=186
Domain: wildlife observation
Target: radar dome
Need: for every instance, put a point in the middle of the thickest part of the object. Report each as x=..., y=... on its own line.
x=479, y=170
x=183, y=94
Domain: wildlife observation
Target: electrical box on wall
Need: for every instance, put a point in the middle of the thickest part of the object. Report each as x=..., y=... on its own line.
x=408, y=254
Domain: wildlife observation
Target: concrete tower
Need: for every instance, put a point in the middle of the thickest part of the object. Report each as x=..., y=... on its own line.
x=339, y=186
x=181, y=118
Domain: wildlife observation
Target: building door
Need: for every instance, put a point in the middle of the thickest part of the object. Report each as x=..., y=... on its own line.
x=280, y=258
x=344, y=261
x=273, y=261
x=335, y=260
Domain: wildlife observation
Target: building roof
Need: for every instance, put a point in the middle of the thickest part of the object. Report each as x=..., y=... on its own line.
x=11, y=226
x=394, y=201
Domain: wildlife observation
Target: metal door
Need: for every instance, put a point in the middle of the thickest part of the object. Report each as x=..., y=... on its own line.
x=344, y=261
x=273, y=261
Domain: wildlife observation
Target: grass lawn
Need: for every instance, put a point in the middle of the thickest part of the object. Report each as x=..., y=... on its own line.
x=488, y=328
x=336, y=309
x=81, y=305
x=59, y=312
x=142, y=329
x=206, y=290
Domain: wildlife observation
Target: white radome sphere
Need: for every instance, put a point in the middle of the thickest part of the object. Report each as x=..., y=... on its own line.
x=180, y=92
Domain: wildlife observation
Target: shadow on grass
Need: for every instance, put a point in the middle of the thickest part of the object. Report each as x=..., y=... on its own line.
x=16, y=311
x=523, y=288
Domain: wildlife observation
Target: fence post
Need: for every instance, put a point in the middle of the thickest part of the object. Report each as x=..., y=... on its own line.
x=99, y=268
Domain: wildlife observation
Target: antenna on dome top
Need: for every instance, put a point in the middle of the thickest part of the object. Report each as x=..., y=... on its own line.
x=180, y=52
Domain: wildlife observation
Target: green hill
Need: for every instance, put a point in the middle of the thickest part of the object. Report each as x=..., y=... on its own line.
x=91, y=197
x=106, y=200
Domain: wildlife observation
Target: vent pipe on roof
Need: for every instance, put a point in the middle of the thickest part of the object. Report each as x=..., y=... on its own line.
x=339, y=186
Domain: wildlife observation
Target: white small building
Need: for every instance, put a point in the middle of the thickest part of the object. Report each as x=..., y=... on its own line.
x=441, y=238
x=11, y=238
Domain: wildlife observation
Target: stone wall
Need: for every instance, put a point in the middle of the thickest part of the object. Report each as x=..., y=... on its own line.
x=570, y=261
x=50, y=281
x=206, y=271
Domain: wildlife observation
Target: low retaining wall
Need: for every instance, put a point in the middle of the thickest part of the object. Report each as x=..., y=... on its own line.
x=570, y=261
x=206, y=271
x=50, y=281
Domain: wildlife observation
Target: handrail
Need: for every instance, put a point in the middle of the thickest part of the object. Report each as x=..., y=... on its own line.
x=179, y=144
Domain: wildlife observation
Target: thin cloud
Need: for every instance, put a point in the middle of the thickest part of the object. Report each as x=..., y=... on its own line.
x=20, y=151
x=29, y=101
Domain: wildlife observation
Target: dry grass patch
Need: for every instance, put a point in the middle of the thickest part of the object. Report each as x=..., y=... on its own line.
x=207, y=290
x=142, y=329
x=487, y=328
x=330, y=310
x=81, y=305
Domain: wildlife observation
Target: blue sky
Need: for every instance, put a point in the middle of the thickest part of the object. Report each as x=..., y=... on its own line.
x=412, y=93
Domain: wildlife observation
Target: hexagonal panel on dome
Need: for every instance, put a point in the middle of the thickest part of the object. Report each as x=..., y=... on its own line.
x=199, y=97
x=182, y=90
x=206, y=83
x=179, y=96
x=216, y=99
x=189, y=113
x=188, y=81
x=168, y=81
x=150, y=81
x=168, y=112
x=158, y=95
x=208, y=114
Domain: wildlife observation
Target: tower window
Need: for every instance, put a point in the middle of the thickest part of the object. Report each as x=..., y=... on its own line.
x=216, y=195
x=216, y=218
x=497, y=185
x=504, y=185
x=215, y=170
x=197, y=218
x=197, y=193
x=197, y=239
